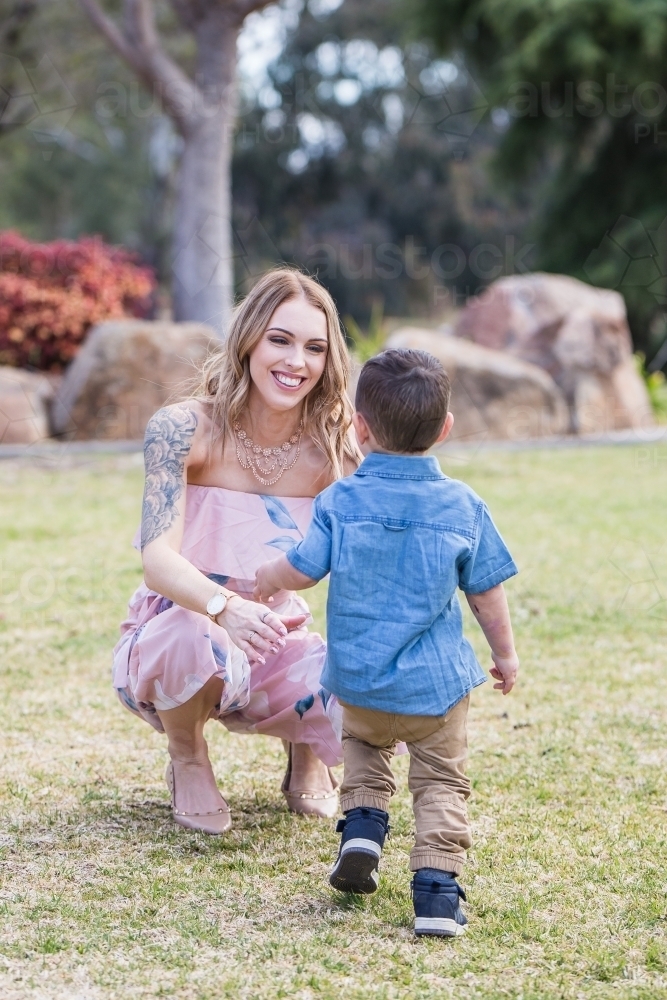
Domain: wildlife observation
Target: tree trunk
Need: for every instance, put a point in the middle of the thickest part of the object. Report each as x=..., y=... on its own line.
x=203, y=266
x=204, y=111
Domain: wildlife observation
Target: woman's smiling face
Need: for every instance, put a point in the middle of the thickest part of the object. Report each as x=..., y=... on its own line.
x=289, y=359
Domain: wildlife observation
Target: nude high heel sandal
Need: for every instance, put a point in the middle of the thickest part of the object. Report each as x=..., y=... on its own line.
x=219, y=821
x=322, y=804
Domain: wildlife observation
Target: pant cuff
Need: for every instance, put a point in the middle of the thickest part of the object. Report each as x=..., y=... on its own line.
x=364, y=798
x=429, y=857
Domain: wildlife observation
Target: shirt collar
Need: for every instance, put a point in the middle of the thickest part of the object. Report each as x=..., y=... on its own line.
x=400, y=466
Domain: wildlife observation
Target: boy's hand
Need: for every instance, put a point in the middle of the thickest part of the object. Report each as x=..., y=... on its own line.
x=266, y=584
x=505, y=670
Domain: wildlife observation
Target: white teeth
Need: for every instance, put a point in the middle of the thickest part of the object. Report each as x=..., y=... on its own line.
x=286, y=380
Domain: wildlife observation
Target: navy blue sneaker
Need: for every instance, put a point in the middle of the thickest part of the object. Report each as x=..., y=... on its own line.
x=364, y=831
x=436, y=896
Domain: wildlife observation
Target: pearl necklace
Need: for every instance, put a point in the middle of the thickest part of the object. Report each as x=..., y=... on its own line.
x=264, y=461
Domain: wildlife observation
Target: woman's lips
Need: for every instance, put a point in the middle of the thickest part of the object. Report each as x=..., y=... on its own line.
x=289, y=382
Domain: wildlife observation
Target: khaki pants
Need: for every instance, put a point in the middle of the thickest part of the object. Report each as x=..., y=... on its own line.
x=438, y=748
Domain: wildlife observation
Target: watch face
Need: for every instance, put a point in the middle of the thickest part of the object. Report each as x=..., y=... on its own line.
x=216, y=604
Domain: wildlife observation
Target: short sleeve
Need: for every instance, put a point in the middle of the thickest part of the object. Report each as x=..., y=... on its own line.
x=312, y=556
x=489, y=562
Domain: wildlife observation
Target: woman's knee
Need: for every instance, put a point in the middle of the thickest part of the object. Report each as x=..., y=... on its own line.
x=194, y=712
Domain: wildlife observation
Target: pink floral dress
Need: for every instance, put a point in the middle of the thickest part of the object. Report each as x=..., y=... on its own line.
x=166, y=653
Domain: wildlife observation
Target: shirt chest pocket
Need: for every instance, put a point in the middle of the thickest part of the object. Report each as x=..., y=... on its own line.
x=391, y=567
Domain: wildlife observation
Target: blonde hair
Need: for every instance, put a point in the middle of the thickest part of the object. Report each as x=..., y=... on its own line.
x=225, y=378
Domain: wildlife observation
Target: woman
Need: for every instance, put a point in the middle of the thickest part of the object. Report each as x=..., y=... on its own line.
x=230, y=478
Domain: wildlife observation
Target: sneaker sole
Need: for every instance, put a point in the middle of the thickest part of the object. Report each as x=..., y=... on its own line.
x=438, y=927
x=355, y=871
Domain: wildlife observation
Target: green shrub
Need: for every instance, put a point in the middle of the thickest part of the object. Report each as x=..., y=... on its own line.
x=367, y=343
x=656, y=386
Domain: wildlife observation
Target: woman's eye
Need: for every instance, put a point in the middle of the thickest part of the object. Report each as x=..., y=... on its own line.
x=316, y=349
x=278, y=340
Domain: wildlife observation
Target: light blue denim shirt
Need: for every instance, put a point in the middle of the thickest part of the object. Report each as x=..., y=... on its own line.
x=399, y=537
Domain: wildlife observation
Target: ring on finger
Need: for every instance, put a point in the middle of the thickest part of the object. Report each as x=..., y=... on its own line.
x=250, y=637
x=264, y=616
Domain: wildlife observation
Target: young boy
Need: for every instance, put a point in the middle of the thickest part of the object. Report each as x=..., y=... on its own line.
x=398, y=538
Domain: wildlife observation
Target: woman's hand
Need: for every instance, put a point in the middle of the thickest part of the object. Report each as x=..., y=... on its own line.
x=256, y=629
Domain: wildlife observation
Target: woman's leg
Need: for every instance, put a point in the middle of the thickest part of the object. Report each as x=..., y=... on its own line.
x=194, y=782
x=309, y=774
x=286, y=701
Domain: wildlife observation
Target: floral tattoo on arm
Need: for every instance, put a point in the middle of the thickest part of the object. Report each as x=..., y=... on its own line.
x=166, y=446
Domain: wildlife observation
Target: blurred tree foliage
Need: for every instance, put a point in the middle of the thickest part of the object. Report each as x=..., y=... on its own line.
x=364, y=156
x=83, y=148
x=582, y=87
x=359, y=156
x=363, y=159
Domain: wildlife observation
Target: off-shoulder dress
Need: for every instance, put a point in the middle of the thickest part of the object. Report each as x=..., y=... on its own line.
x=166, y=653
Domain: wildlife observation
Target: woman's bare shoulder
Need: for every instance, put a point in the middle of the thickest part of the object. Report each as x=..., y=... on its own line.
x=187, y=409
x=178, y=429
x=322, y=472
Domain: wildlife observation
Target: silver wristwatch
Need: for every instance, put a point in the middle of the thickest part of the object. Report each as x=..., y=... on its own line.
x=216, y=606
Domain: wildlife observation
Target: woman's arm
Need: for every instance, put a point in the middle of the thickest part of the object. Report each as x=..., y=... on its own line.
x=172, y=435
x=167, y=445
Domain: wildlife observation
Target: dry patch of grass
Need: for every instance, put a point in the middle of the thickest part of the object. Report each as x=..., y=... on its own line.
x=101, y=897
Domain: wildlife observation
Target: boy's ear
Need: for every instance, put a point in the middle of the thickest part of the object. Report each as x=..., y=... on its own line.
x=361, y=428
x=446, y=428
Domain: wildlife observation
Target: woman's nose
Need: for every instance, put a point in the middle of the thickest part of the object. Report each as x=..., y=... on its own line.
x=296, y=359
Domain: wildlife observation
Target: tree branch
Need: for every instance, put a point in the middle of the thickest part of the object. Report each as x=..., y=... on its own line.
x=106, y=27
x=141, y=16
x=139, y=45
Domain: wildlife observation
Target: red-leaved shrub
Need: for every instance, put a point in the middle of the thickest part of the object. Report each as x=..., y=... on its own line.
x=52, y=293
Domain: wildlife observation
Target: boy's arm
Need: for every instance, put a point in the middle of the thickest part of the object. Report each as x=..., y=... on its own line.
x=279, y=574
x=491, y=611
x=302, y=566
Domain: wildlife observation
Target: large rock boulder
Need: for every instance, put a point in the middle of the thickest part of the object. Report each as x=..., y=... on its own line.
x=125, y=371
x=494, y=395
x=577, y=333
x=24, y=402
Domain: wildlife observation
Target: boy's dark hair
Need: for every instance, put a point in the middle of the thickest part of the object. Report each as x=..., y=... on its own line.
x=404, y=397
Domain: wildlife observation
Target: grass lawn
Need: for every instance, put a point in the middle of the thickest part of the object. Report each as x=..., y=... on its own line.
x=102, y=897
